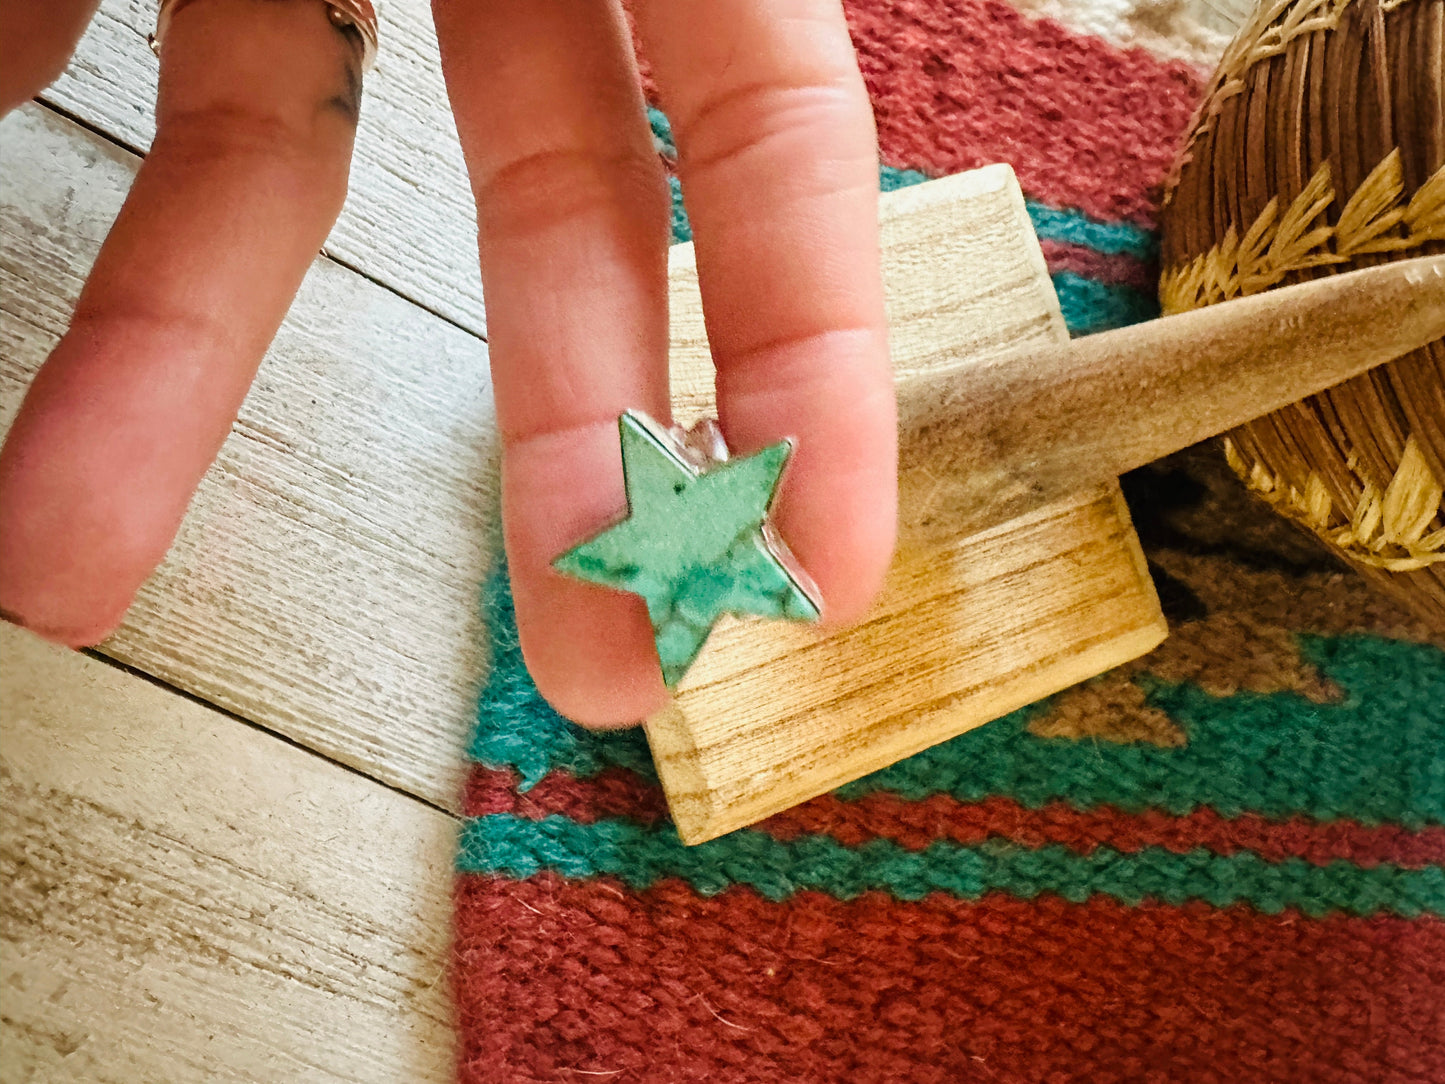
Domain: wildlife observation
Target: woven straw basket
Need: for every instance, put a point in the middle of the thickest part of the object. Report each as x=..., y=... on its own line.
x=1320, y=147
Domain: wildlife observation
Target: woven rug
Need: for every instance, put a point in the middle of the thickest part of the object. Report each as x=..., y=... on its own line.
x=1224, y=862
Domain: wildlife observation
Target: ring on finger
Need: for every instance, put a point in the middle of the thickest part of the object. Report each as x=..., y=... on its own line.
x=345, y=14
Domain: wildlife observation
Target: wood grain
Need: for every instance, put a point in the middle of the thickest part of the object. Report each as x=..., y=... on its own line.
x=183, y=897
x=326, y=580
x=983, y=440
x=771, y=716
x=409, y=221
x=964, y=631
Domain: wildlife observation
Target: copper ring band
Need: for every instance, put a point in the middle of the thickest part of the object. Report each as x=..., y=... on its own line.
x=344, y=13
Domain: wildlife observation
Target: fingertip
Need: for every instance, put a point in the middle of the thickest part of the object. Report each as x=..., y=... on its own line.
x=610, y=710
x=71, y=594
x=91, y=634
x=589, y=652
x=837, y=508
x=93, y=486
x=588, y=648
x=848, y=562
x=849, y=595
x=39, y=40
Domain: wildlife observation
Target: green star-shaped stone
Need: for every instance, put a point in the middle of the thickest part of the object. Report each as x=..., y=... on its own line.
x=693, y=544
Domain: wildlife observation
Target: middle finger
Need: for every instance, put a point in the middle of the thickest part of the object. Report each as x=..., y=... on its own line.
x=572, y=216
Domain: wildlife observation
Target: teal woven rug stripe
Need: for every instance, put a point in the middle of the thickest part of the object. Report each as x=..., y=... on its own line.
x=640, y=856
x=1050, y=223
x=1376, y=759
x=1090, y=306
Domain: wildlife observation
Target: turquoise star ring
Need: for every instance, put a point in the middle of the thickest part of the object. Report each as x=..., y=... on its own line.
x=696, y=542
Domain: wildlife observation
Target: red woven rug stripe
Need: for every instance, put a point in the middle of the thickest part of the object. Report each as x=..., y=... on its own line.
x=958, y=84
x=1114, y=270
x=916, y=824
x=601, y=981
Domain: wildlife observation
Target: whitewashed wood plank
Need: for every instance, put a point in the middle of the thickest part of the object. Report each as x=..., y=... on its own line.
x=409, y=221
x=184, y=897
x=326, y=581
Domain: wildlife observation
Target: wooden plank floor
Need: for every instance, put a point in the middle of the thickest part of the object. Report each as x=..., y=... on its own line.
x=185, y=898
x=326, y=581
x=184, y=895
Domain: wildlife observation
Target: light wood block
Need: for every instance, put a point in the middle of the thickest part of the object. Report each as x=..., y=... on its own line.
x=964, y=631
x=184, y=897
x=326, y=582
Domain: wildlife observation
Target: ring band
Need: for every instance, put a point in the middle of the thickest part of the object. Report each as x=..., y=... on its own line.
x=360, y=14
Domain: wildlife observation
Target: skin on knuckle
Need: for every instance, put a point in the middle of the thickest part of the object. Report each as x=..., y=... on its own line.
x=242, y=129
x=771, y=119
x=270, y=149
x=806, y=360
x=285, y=61
x=267, y=104
x=563, y=188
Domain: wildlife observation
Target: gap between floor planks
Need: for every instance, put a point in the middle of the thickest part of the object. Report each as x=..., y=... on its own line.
x=326, y=582
x=183, y=897
x=409, y=223
x=241, y=720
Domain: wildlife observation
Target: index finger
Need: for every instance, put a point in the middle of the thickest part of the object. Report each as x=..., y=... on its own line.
x=778, y=160
x=248, y=171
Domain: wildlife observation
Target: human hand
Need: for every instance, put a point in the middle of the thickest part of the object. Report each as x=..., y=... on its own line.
x=247, y=173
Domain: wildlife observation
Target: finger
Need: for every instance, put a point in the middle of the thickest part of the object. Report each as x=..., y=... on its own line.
x=36, y=40
x=778, y=159
x=572, y=218
x=247, y=172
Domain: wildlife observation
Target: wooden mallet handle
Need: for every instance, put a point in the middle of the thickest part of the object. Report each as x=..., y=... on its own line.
x=985, y=441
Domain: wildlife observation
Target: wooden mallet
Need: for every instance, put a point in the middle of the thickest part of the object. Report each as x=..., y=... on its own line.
x=1018, y=572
